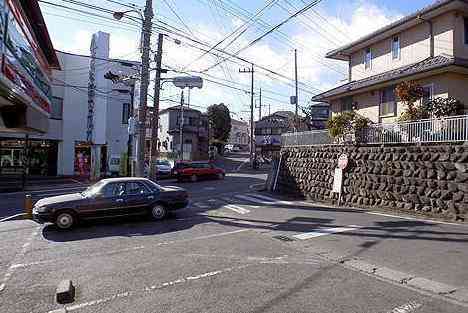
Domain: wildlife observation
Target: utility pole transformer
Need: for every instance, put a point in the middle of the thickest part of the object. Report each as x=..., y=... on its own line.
x=145, y=64
x=155, y=119
x=252, y=146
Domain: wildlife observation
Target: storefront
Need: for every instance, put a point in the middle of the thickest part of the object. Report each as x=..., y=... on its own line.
x=40, y=156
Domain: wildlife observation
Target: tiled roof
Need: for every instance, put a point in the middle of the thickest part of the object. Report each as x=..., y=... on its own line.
x=428, y=64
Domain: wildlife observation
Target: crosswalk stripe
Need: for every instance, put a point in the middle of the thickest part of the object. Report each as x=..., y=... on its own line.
x=236, y=208
x=325, y=231
x=270, y=199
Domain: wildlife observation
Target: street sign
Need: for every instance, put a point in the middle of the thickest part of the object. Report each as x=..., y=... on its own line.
x=188, y=82
x=337, y=180
x=343, y=161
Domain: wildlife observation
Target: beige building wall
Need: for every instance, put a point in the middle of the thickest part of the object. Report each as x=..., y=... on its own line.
x=414, y=47
x=443, y=85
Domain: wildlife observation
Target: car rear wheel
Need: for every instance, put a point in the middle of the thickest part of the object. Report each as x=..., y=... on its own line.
x=65, y=220
x=158, y=212
x=193, y=178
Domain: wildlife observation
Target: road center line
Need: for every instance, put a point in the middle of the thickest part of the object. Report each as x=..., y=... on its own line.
x=325, y=231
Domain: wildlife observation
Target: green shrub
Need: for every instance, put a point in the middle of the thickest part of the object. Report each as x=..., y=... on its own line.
x=347, y=123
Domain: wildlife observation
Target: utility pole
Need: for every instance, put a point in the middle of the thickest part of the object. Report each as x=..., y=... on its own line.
x=154, y=150
x=181, y=128
x=145, y=64
x=260, y=105
x=295, y=75
x=252, y=147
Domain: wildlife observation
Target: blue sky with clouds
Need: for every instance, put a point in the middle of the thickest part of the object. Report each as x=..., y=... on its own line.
x=331, y=23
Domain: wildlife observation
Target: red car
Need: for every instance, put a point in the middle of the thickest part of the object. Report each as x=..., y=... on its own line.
x=194, y=170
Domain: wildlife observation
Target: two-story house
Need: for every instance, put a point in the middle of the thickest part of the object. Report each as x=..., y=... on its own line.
x=194, y=134
x=239, y=135
x=429, y=47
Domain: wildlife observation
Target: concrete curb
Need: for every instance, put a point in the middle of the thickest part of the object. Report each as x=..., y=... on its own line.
x=20, y=216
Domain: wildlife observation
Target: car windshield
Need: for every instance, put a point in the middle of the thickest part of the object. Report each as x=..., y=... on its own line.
x=93, y=189
x=164, y=162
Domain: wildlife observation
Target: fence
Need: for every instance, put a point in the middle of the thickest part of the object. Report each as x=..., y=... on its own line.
x=446, y=129
x=307, y=138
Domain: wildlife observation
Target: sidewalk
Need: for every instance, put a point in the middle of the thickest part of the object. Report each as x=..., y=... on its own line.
x=13, y=183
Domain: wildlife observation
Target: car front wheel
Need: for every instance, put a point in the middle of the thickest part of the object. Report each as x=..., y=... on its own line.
x=158, y=212
x=65, y=220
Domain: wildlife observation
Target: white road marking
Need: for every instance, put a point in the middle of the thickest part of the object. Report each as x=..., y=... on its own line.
x=236, y=208
x=209, y=188
x=325, y=231
x=19, y=256
x=242, y=164
x=201, y=205
x=414, y=219
x=111, y=252
x=164, y=243
x=406, y=308
x=151, y=288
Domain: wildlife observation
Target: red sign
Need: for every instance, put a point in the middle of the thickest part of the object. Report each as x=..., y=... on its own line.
x=343, y=161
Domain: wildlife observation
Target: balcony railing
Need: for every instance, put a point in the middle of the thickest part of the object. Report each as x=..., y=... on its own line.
x=446, y=129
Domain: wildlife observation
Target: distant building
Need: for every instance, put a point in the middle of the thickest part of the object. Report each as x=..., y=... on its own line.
x=195, y=133
x=79, y=140
x=319, y=115
x=268, y=131
x=239, y=135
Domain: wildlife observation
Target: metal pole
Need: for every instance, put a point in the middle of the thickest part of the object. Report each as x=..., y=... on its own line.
x=130, y=136
x=295, y=75
x=145, y=64
x=155, y=119
x=260, y=106
x=252, y=147
x=181, y=128
x=25, y=161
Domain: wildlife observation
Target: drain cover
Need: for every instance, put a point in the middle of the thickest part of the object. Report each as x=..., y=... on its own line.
x=283, y=238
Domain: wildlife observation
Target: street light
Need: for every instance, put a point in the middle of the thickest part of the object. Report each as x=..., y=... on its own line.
x=119, y=15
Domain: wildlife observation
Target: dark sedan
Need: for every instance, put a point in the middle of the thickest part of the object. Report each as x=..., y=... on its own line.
x=111, y=198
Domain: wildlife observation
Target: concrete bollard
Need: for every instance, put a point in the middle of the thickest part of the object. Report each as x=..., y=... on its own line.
x=28, y=206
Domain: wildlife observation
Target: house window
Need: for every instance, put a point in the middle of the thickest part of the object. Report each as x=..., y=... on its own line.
x=387, y=102
x=56, y=108
x=125, y=112
x=347, y=104
x=465, y=21
x=428, y=92
x=396, y=48
x=368, y=58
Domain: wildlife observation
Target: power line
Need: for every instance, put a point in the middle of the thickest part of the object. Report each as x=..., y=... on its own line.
x=268, y=5
x=178, y=16
x=253, y=42
x=181, y=34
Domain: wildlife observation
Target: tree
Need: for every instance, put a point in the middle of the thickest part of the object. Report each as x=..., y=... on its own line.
x=409, y=93
x=220, y=125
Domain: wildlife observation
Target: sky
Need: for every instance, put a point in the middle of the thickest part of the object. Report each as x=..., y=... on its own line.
x=328, y=25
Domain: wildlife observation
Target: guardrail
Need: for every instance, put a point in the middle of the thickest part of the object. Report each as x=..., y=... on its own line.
x=307, y=138
x=445, y=129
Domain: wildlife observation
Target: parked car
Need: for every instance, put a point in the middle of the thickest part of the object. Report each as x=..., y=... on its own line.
x=194, y=170
x=164, y=168
x=110, y=198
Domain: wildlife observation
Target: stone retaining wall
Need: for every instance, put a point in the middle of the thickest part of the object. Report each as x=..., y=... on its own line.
x=428, y=178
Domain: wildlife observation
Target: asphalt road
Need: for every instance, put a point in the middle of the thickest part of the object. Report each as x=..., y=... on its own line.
x=239, y=250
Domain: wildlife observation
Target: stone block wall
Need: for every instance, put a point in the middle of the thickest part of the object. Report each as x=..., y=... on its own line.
x=429, y=178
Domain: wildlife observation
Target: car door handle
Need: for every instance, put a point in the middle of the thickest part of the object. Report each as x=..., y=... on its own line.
x=150, y=197
x=119, y=200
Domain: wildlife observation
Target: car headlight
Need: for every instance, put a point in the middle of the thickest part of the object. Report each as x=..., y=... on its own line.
x=41, y=209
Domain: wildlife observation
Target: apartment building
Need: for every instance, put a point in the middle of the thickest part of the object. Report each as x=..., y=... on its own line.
x=429, y=46
x=194, y=133
x=239, y=135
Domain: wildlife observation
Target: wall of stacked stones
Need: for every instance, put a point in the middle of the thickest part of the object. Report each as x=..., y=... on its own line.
x=428, y=178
